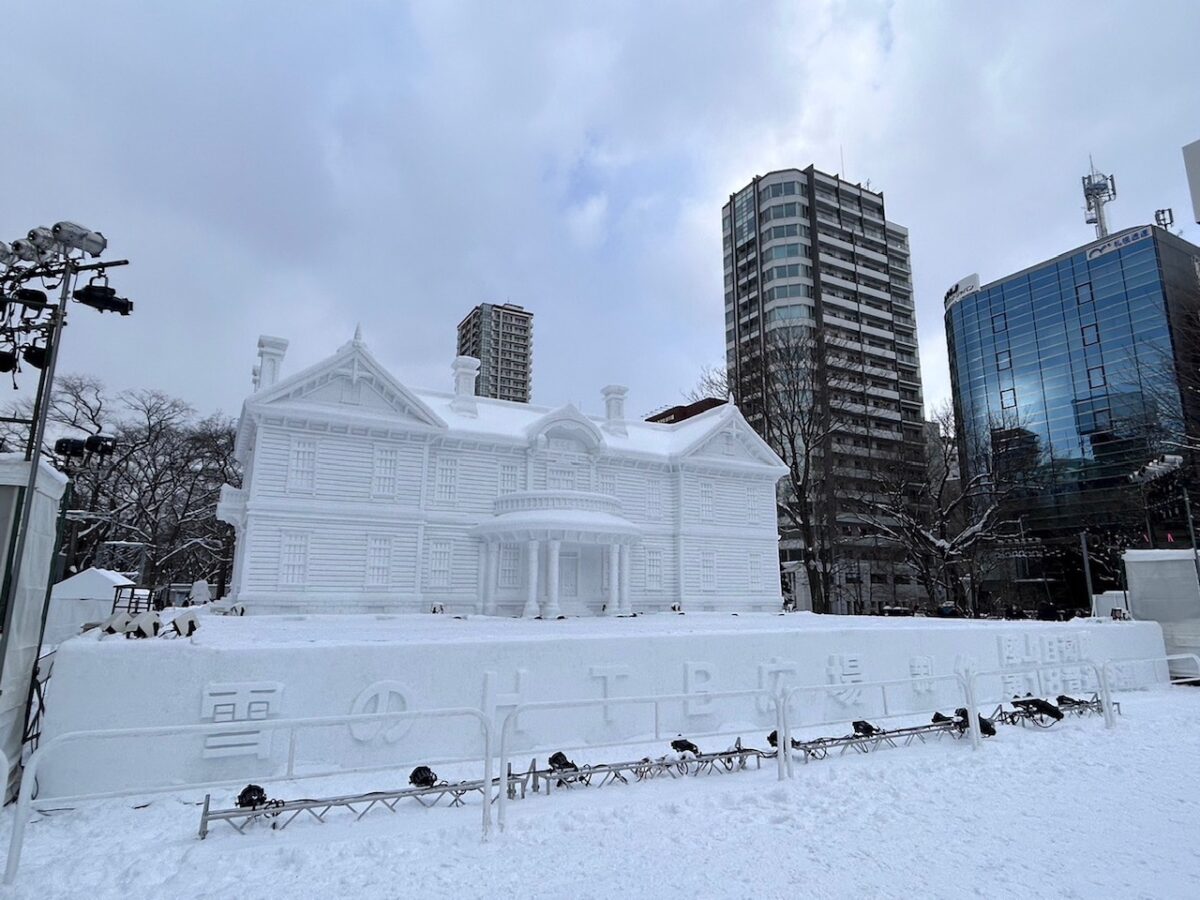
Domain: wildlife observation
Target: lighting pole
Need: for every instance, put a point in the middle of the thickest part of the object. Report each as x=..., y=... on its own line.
x=47, y=253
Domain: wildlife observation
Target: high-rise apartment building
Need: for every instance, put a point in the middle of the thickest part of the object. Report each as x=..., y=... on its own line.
x=500, y=336
x=811, y=260
x=1069, y=376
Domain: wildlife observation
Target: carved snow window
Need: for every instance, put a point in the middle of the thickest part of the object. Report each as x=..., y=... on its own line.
x=706, y=501
x=383, y=475
x=752, y=505
x=447, y=479
x=756, y=571
x=708, y=570
x=293, y=559
x=654, y=569
x=510, y=566
x=654, y=499
x=379, y=560
x=608, y=483
x=560, y=478
x=439, y=564
x=508, y=478
x=728, y=443
x=605, y=556
x=302, y=466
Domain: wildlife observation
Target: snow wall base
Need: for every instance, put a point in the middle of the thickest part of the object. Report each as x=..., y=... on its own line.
x=246, y=672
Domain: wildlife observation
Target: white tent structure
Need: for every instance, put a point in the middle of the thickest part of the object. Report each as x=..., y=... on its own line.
x=82, y=598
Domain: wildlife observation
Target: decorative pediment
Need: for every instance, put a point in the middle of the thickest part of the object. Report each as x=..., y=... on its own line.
x=352, y=379
x=730, y=438
x=566, y=424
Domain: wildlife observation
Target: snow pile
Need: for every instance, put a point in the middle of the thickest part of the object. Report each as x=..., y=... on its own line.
x=1071, y=811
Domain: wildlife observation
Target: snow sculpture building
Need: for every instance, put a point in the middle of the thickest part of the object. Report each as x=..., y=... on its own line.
x=363, y=495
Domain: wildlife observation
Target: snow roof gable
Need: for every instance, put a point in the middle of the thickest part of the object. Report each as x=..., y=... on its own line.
x=352, y=379
x=727, y=436
x=571, y=420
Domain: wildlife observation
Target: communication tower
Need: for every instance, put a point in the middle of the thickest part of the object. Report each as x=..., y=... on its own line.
x=1098, y=190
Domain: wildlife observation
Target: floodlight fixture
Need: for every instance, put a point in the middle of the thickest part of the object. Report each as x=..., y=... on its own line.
x=26, y=250
x=69, y=447
x=31, y=297
x=42, y=238
x=36, y=355
x=7, y=257
x=78, y=237
x=100, y=444
x=8, y=360
x=99, y=296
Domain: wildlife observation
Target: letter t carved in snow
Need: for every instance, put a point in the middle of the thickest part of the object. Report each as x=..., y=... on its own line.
x=607, y=675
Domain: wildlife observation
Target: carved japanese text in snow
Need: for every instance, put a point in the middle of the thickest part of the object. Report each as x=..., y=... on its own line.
x=363, y=495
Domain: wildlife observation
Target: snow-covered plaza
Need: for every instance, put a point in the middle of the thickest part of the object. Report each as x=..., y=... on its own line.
x=1072, y=811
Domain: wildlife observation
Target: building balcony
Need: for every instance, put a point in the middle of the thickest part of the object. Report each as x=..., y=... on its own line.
x=526, y=501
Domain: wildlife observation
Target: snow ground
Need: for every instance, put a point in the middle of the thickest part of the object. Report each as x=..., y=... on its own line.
x=1073, y=811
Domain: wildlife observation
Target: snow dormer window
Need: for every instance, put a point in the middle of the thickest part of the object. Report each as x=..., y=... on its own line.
x=302, y=466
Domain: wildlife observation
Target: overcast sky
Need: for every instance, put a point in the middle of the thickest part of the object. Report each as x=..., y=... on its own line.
x=296, y=168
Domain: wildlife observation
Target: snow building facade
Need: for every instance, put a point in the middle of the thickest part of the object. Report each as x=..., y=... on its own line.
x=363, y=495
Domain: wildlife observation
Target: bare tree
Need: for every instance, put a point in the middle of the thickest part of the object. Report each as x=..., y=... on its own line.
x=946, y=525
x=160, y=487
x=797, y=403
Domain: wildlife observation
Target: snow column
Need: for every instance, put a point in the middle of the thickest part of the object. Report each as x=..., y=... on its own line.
x=552, y=610
x=626, y=606
x=614, y=580
x=489, y=578
x=531, y=601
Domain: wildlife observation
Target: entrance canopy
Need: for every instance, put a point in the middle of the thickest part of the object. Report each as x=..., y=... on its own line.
x=578, y=517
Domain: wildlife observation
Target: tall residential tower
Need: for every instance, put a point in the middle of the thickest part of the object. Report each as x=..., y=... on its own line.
x=813, y=258
x=500, y=336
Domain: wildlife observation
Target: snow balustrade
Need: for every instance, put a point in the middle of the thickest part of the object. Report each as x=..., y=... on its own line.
x=964, y=687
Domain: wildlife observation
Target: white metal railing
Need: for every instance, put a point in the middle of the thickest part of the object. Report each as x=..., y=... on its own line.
x=1098, y=669
x=27, y=802
x=655, y=700
x=785, y=735
x=1110, y=667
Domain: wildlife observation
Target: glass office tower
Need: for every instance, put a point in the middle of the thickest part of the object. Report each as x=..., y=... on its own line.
x=1070, y=375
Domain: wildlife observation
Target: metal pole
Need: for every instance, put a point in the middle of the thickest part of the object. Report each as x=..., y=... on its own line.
x=1087, y=568
x=12, y=581
x=1187, y=506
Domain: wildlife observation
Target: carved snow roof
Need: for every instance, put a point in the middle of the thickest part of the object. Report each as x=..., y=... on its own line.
x=309, y=393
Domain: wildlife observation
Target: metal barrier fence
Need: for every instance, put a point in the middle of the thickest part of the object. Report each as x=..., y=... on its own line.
x=781, y=702
x=1111, y=666
x=1003, y=696
x=27, y=802
x=656, y=700
x=885, y=711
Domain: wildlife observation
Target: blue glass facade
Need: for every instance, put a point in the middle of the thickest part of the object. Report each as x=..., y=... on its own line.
x=1065, y=379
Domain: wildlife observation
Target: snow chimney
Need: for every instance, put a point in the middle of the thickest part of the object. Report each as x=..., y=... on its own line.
x=614, y=408
x=466, y=370
x=270, y=360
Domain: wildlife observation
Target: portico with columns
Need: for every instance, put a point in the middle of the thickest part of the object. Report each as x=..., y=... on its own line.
x=575, y=549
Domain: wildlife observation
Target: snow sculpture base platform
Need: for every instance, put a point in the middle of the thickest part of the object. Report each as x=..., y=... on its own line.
x=247, y=671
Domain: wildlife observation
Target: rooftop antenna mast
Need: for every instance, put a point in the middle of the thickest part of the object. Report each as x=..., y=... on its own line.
x=1098, y=190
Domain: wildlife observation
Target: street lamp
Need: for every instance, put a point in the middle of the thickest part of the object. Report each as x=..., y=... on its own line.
x=51, y=257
